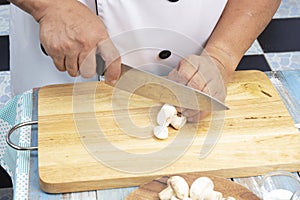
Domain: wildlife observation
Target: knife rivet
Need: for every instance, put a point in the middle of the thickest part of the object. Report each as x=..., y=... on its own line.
x=164, y=54
x=173, y=0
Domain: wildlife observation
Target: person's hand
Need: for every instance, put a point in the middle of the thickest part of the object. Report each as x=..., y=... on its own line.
x=203, y=73
x=71, y=34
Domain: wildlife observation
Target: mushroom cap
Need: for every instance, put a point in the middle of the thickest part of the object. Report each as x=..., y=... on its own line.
x=164, y=116
x=200, y=188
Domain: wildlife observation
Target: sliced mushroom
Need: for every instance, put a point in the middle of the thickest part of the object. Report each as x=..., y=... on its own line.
x=165, y=114
x=178, y=121
x=161, y=132
x=179, y=186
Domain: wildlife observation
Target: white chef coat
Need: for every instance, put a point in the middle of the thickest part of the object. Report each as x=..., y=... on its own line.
x=140, y=29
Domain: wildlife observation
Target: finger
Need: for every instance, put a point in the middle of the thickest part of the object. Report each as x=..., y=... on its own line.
x=216, y=90
x=198, y=116
x=219, y=92
x=186, y=70
x=175, y=76
x=197, y=81
x=189, y=112
x=87, y=64
x=113, y=71
x=59, y=63
x=194, y=118
x=71, y=63
x=204, y=75
x=112, y=59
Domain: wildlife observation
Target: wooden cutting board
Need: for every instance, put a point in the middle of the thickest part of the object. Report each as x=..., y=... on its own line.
x=228, y=188
x=92, y=136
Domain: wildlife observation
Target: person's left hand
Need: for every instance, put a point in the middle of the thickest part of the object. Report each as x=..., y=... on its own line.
x=203, y=73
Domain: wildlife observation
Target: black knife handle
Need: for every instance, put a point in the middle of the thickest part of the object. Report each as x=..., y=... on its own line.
x=43, y=50
x=100, y=63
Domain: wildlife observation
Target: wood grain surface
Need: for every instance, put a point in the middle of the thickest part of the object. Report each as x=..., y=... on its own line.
x=255, y=136
x=150, y=190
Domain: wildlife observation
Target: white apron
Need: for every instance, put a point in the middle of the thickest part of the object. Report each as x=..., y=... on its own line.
x=152, y=35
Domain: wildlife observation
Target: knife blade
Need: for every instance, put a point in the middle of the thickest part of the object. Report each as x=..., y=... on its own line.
x=161, y=89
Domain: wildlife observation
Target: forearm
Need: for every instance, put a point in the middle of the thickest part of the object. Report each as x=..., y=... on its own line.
x=240, y=24
x=37, y=8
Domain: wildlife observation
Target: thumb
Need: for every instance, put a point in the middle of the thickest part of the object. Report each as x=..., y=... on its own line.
x=111, y=56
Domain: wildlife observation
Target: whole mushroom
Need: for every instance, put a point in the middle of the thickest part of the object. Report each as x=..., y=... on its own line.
x=201, y=188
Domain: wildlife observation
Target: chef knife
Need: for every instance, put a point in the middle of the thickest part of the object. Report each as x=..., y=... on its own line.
x=161, y=89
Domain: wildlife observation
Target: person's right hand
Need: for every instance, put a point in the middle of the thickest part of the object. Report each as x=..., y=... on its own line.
x=70, y=33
